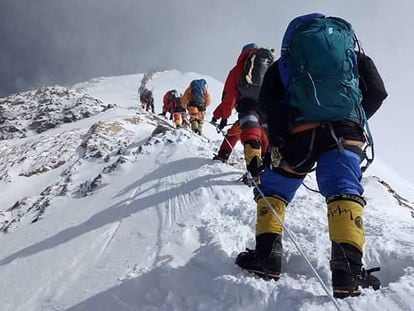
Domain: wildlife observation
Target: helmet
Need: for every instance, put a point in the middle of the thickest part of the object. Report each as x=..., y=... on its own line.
x=249, y=46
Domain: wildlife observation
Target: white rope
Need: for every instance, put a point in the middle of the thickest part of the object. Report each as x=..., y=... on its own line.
x=325, y=288
x=224, y=135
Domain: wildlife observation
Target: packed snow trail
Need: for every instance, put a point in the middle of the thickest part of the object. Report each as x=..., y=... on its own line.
x=162, y=226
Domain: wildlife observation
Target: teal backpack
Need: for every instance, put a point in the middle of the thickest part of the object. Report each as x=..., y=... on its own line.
x=319, y=69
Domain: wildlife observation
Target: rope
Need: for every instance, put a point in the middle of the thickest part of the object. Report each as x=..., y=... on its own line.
x=224, y=135
x=216, y=126
x=309, y=188
x=290, y=235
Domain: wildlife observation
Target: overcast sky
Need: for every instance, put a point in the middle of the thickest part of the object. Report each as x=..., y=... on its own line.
x=46, y=42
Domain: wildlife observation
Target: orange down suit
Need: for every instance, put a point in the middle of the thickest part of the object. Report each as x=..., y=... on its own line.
x=195, y=113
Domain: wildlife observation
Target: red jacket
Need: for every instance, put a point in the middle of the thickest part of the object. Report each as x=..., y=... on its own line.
x=231, y=91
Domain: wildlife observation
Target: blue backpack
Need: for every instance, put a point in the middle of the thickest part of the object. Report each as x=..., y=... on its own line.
x=198, y=91
x=318, y=67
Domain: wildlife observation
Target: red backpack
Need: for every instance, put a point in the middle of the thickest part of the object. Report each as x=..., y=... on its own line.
x=173, y=99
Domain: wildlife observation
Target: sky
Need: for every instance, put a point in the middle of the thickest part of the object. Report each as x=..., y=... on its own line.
x=155, y=224
x=47, y=42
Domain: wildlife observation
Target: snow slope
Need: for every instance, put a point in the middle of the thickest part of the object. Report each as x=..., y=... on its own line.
x=140, y=218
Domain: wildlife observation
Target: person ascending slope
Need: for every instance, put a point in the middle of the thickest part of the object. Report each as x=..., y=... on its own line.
x=147, y=100
x=317, y=97
x=241, y=91
x=196, y=99
x=172, y=105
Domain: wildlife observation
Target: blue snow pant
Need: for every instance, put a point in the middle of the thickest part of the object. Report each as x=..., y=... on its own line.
x=337, y=173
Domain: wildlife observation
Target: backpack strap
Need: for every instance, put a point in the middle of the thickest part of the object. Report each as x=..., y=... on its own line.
x=368, y=137
x=339, y=141
x=364, y=120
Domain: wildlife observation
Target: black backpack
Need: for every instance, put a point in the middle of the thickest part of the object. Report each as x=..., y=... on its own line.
x=255, y=67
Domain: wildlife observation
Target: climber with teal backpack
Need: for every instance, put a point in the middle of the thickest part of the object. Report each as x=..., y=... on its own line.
x=317, y=98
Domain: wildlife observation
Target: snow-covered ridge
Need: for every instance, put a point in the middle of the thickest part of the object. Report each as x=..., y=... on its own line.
x=119, y=211
x=104, y=143
x=45, y=108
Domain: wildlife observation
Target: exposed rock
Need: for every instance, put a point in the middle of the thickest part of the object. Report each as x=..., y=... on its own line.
x=106, y=139
x=45, y=108
x=89, y=186
x=160, y=129
x=28, y=209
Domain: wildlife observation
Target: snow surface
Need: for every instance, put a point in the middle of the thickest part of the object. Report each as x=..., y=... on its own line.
x=135, y=220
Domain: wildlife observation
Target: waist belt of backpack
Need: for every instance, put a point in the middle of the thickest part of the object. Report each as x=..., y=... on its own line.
x=196, y=104
x=307, y=126
x=304, y=127
x=341, y=143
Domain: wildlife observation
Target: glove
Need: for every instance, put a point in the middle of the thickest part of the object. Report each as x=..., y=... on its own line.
x=222, y=124
x=275, y=157
x=255, y=167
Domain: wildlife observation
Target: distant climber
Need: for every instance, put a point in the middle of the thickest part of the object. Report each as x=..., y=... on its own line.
x=196, y=99
x=172, y=105
x=147, y=100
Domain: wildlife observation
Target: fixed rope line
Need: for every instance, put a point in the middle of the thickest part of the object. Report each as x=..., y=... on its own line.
x=325, y=288
x=224, y=135
x=290, y=235
x=309, y=188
